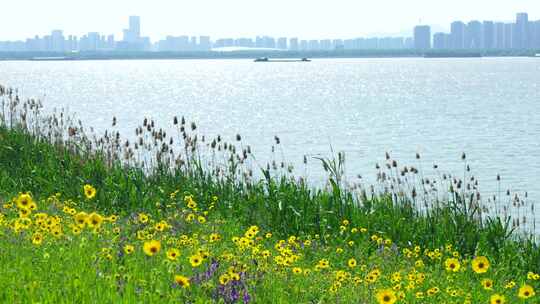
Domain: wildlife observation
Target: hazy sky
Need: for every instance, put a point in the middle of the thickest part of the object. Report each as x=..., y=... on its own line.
x=235, y=18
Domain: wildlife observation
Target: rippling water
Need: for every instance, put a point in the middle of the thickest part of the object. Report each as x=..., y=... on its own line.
x=488, y=107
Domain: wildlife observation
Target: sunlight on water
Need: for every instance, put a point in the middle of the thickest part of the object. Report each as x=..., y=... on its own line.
x=440, y=108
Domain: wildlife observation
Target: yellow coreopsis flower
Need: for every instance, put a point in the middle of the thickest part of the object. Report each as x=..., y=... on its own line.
x=487, y=284
x=89, y=191
x=526, y=291
x=182, y=281
x=195, y=260
x=480, y=264
x=76, y=230
x=214, y=237
x=160, y=226
x=152, y=247
x=143, y=218
x=24, y=201
x=386, y=296
x=452, y=264
x=81, y=218
x=94, y=220
x=224, y=279
x=497, y=299
x=24, y=212
x=128, y=249
x=172, y=254
x=37, y=238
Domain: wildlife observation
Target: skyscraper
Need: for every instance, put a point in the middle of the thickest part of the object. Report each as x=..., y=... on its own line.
x=509, y=35
x=313, y=45
x=135, y=26
x=473, y=35
x=409, y=42
x=537, y=34
x=110, y=42
x=57, y=41
x=282, y=43
x=521, y=31
x=488, y=35
x=133, y=33
x=204, y=43
x=92, y=42
x=372, y=43
x=337, y=44
x=457, y=35
x=499, y=35
x=422, y=37
x=441, y=41
x=293, y=44
x=532, y=34
x=325, y=44
x=193, y=43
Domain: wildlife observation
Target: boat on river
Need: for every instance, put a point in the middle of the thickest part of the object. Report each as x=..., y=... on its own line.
x=266, y=59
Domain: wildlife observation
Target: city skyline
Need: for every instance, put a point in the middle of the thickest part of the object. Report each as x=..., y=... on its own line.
x=312, y=20
x=522, y=33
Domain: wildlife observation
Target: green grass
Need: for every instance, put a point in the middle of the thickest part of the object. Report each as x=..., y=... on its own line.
x=42, y=157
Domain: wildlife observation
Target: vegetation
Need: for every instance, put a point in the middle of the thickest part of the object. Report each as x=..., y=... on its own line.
x=184, y=218
x=250, y=54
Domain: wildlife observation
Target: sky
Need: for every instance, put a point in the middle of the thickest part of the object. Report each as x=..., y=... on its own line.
x=309, y=19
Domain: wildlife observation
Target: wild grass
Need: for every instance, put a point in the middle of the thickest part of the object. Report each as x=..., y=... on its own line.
x=52, y=157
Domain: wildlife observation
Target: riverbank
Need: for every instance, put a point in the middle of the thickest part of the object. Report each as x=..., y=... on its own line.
x=121, y=55
x=176, y=225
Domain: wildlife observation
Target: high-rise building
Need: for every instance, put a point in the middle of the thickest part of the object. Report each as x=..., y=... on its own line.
x=390, y=43
x=110, y=42
x=259, y=42
x=71, y=44
x=521, y=31
x=204, y=43
x=293, y=44
x=371, y=43
x=304, y=45
x=457, y=35
x=132, y=35
x=473, y=35
x=57, y=41
x=409, y=42
x=537, y=35
x=422, y=37
x=224, y=42
x=359, y=43
x=441, y=41
x=135, y=26
x=269, y=42
x=337, y=44
x=499, y=36
x=325, y=44
x=265, y=42
x=245, y=42
x=313, y=45
x=349, y=44
x=509, y=35
x=488, y=35
x=193, y=43
x=282, y=43
x=532, y=35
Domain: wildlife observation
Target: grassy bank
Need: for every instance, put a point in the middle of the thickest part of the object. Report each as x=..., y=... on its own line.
x=184, y=218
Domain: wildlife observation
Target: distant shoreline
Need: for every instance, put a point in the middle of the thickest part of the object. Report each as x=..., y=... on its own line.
x=51, y=56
